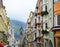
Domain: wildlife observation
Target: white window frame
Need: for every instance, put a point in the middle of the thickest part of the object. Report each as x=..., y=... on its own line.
x=55, y=0
x=55, y=20
x=38, y=18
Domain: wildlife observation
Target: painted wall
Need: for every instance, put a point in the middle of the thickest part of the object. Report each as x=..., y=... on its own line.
x=57, y=12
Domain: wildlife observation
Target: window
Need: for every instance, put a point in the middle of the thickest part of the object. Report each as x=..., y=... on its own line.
x=0, y=16
x=59, y=43
x=39, y=45
x=50, y=44
x=46, y=25
x=45, y=44
x=55, y=0
x=39, y=32
x=58, y=0
x=44, y=7
x=56, y=20
x=35, y=23
x=36, y=7
x=35, y=20
x=39, y=19
x=35, y=35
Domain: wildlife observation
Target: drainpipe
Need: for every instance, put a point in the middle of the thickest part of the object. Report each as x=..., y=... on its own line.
x=53, y=25
x=42, y=22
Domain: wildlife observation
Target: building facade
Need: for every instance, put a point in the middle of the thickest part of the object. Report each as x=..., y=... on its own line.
x=56, y=27
x=3, y=23
x=44, y=26
x=47, y=21
x=31, y=30
x=38, y=24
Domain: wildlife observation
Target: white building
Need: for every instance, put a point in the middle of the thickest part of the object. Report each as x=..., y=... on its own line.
x=11, y=38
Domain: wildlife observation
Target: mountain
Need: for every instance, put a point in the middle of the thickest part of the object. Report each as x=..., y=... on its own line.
x=16, y=25
x=20, y=23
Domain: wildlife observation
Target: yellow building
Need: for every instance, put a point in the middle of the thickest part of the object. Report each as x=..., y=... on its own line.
x=29, y=29
x=4, y=23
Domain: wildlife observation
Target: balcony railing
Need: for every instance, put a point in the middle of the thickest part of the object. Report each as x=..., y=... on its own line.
x=45, y=31
x=38, y=26
x=44, y=11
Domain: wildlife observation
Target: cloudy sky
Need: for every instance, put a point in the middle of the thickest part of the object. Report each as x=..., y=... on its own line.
x=19, y=9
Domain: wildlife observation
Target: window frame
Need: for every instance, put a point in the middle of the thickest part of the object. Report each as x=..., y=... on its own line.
x=58, y=42
x=56, y=20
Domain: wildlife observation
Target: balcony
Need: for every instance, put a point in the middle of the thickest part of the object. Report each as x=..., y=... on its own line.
x=45, y=31
x=39, y=42
x=29, y=26
x=39, y=35
x=38, y=26
x=29, y=32
x=35, y=25
x=56, y=28
x=3, y=37
x=44, y=11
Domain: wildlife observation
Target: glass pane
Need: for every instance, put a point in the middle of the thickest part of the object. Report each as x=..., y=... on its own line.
x=55, y=0
x=39, y=19
x=58, y=18
x=58, y=0
x=59, y=43
x=55, y=20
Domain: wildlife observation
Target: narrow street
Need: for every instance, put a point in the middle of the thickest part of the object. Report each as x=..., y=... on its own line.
x=29, y=23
